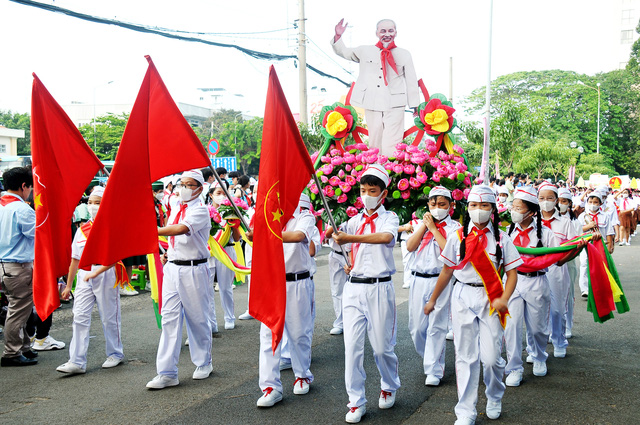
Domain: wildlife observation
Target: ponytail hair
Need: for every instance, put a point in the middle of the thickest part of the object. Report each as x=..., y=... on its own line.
x=496, y=231
x=465, y=231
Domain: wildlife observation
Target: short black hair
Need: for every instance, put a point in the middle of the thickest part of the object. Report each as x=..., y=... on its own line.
x=14, y=177
x=234, y=174
x=372, y=180
x=510, y=173
x=243, y=180
x=435, y=197
x=206, y=173
x=221, y=171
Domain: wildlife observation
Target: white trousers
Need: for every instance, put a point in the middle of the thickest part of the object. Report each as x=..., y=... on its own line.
x=212, y=302
x=337, y=279
x=225, y=285
x=385, y=129
x=477, y=338
x=529, y=304
x=572, y=267
x=429, y=332
x=584, y=270
x=185, y=295
x=408, y=259
x=369, y=308
x=98, y=291
x=298, y=325
x=559, y=283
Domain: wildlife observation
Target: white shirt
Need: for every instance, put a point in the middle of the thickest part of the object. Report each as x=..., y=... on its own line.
x=427, y=260
x=451, y=255
x=194, y=244
x=296, y=255
x=548, y=238
x=406, y=235
x=604, y=222
x=562, y=227
x=315, y=240
x=374, y=260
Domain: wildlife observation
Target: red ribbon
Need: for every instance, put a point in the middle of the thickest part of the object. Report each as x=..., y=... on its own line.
x=367, y=220
x=547, y=223
x=386, y=57
x=179, y=216
x=522, y=240
x=428, y=236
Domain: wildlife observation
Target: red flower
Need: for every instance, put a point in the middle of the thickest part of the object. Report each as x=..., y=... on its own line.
x=433, y=105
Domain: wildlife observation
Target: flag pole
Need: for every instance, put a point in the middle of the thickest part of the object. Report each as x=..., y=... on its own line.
x=331, y=220
x=226, y=192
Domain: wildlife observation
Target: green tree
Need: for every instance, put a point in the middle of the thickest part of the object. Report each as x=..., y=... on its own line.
x=594, y=163
x=546, y=158
x=17, y=121
x=242, y=139
x=108, y=134
x=311, y=134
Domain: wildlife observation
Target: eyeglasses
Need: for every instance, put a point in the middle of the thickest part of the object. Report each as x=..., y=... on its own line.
x=520, y=210
x=188, y=186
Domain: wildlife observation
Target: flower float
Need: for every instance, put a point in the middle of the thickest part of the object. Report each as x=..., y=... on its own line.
x=338, y=121
x=435, y=117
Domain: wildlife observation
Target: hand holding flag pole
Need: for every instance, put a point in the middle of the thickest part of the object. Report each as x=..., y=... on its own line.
x=228, y=195
x=331, y=220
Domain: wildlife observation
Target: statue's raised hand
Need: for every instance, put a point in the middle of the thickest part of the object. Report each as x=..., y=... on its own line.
x=341, y=27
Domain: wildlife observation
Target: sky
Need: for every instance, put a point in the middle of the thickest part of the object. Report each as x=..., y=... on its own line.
x=75, y=58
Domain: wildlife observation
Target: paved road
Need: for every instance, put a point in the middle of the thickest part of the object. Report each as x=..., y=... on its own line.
x=597, y=383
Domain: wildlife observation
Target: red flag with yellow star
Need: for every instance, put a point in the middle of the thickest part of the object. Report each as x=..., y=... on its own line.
x=63, y=167
x=285, y=170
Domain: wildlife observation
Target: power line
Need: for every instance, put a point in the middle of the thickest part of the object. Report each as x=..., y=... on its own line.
x=144, y=29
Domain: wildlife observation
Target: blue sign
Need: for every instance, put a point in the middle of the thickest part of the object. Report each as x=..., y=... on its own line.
x=214, y=147
x=227, y=162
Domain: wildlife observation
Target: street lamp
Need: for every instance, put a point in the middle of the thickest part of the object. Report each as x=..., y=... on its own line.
x=94, y=114
x=597, y=88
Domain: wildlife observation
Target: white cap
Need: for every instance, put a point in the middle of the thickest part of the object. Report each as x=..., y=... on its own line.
x=482, y=193
x=440, y=191
x=304, y=202
x=548, y=186
x=565, y=193
x=378, y=171
x=597, y=194
x=194, y=174
x=526, y=193
x=97, y=191
x=503, y=190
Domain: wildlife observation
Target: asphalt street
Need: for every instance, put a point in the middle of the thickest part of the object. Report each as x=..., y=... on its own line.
x=597, y=383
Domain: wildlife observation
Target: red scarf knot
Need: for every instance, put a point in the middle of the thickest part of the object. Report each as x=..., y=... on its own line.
x=522, y=240
x=367, y=220
x=386, y=58
x=428, y=236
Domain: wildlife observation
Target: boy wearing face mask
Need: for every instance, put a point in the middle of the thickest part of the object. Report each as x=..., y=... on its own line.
x=186, y=292
x=95, y=286
x=429, y=238
x=478, y=302
x=593, y=219
x=368, y=299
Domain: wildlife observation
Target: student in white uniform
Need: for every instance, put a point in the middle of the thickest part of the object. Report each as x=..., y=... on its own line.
x=337, y=276
x=565, y=208
x=186, y=290
x=427, y=241
x=408, y=257
x=368, y=300
x=95, y=286
x=476, y=325
x=298, y=322
x=529, y=304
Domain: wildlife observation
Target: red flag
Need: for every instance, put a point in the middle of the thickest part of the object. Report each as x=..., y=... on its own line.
x=285, y=170
x=157, y=142
x=63, y=166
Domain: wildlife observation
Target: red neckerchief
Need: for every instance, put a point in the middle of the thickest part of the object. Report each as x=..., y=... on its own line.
x=522, y=239
x=594, y=217
x=548, y=222
x=367, y=220
x=475, y=241
x=428, y=236
x=7, y=199
x=625, y=203
x=179, y=216
x=386, y=57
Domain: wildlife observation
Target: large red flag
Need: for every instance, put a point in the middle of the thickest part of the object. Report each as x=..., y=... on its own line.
x=63, y=166
x=157, y=142
x=285, y=170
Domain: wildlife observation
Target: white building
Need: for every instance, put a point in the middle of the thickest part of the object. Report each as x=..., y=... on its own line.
x=9, y=142
x=629, y=17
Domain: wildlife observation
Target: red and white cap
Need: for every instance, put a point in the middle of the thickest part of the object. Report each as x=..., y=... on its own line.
x=97, y=191
x=482, y=193
x=526, y=193
x=565, y=193
x=194, y=174
x=440, y=191
x=548, y=186
x=304, y=201
x=378, y=171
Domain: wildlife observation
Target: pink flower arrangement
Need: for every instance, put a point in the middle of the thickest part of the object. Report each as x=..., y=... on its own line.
x=457, y=194
x=352, y=211
x=403, y=184
x=214, y=214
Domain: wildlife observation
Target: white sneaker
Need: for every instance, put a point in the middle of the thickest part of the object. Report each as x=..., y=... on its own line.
x=387, y=399
x=186, y=343
x=559, y=352
x=355, y=414
x=216, y=287
x=513, y=379
x=47, y=344
x=336, y=331
x=269, y=398
x=432, y=381
x=71, y=368
x=621, y=243
x=203, y=372
x=112, y=361
x=494, y=408
x=627, y=244
x=449, y=336
x=285, y=364
x=530, y=359
x=406, y=286
x=464, y=421
x=128, y=291
x=162, y=381
x=303, y=388
x=539, y=368
x=585, y=294
x=229, y=325
x=245, y=316
x=568, y=334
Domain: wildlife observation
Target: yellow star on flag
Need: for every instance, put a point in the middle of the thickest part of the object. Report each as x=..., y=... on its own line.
x=277, y=214
x=37, y=201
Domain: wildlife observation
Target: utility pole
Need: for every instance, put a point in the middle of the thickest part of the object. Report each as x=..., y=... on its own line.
x=302, y=62
x=484, y=168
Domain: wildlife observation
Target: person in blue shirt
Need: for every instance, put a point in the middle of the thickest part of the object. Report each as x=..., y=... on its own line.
x=17, y=241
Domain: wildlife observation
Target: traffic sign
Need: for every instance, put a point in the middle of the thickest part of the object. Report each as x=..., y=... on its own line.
x=227, y=162
x=214, y=147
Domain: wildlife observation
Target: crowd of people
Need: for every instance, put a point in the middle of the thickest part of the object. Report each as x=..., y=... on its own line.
x=463, y=278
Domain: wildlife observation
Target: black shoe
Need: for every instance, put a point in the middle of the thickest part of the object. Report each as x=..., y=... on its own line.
x=17, y=361
x=30, y=354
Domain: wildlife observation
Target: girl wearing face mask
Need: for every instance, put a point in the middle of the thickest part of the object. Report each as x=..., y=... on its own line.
x=531, y=299
x=594, y=220
x=427, y=241
x=503, y=195
x=95, y=286
x=625, y=208
x=478, y=301
x=565, y=206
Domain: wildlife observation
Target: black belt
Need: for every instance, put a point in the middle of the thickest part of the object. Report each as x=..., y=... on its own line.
x=532, y=274
x=425, y=275
x=292, y=277
x=188, y=262
x=369, y=280
x=475, y=285
x=337, y=252
x=230, y=244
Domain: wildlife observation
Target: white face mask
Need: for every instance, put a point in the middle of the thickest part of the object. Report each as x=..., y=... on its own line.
x=371, y=202
x=186, y=194
x=624, y=195
x=593, y=207
x=159, y=196
x=503, y=199
x=479, y=216
x=547, y=206
x=219, y=199
x=93, y=210
x=563, y=208
x=439, y=213
x=516, y=216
